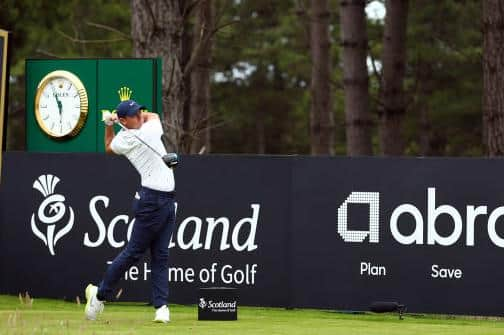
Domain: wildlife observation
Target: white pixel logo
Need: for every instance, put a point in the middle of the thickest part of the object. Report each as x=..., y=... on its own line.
x=373, y=200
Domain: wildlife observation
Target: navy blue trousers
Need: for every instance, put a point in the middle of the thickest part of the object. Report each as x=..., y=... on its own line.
x=154, y=221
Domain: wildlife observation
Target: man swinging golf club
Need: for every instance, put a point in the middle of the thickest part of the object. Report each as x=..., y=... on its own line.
x=154, y=208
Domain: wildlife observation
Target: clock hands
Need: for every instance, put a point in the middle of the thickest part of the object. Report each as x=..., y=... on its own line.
x=60, y=105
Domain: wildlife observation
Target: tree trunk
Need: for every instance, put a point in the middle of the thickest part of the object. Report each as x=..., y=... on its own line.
x=392, y=106
x=493, y=76
x=157, y=28
x=321, y=115
x=200, y=78
x=185, y=139
x=355, y=77
x=424, y=83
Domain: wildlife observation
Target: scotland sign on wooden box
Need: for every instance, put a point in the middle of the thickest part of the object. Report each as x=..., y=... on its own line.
x=218, y=303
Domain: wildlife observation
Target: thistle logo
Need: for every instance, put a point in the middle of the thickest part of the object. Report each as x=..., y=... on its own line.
x=53, y=205
x=202, y=303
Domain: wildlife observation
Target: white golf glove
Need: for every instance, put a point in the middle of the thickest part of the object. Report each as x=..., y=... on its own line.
x=108, y=118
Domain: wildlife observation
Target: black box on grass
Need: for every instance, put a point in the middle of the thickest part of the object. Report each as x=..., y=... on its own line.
x=218, y=303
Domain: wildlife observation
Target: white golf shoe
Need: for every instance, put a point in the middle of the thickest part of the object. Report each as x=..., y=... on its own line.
x=94, y=307
x=162, y=314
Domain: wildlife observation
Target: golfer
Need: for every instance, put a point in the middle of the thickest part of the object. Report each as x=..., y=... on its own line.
x=153, y=207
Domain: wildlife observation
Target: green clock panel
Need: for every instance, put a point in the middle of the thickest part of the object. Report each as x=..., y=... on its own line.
x=102, y=79
x=36, y=139
x=139, y=76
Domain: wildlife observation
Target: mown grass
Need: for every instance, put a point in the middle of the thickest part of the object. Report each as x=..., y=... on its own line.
x=46, y=316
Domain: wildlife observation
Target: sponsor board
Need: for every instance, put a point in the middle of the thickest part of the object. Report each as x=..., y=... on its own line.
x=334, y=233
x=218, y=303
x=73, y=216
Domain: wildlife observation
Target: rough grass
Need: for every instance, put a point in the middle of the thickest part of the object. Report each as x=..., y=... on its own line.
x=45, y=316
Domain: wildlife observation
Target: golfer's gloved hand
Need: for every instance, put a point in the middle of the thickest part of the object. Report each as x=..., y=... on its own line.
x=171, y=160
x=108, y=118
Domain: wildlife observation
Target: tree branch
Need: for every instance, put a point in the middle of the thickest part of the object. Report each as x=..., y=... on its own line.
x=151, y=14
x=221, y=11
x=47, y=53
x=375, y=70
x=195, y=55
x=109, y=28
x=189, y=8
x=76, y=40
x=223, y=26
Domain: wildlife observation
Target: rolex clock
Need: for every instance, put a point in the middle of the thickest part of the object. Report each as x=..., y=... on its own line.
x=61, y=105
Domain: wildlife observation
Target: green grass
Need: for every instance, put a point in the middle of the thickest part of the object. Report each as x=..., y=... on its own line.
x=59, y=317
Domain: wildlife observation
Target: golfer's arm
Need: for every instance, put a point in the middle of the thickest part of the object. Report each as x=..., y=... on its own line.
x=109, y=136
x=149, y=116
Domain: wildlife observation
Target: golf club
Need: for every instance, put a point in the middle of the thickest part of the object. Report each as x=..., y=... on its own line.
x=170, y=159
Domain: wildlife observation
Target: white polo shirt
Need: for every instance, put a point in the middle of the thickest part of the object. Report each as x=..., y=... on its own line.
x=153, y=171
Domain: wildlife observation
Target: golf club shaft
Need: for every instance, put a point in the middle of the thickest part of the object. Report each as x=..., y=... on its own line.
x=138, y=138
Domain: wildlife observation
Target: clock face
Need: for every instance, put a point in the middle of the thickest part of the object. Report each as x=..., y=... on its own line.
x=61, y=104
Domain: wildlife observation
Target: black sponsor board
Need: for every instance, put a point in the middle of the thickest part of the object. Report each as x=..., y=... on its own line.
x=217, y=304
x=318, y=232
x=224, y=193
x=333, y=273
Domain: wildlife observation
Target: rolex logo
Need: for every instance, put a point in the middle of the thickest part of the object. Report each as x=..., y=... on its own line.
x=125, y=93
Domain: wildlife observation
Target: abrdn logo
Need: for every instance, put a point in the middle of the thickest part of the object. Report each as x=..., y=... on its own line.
x=417, y=236
x=51, y=211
